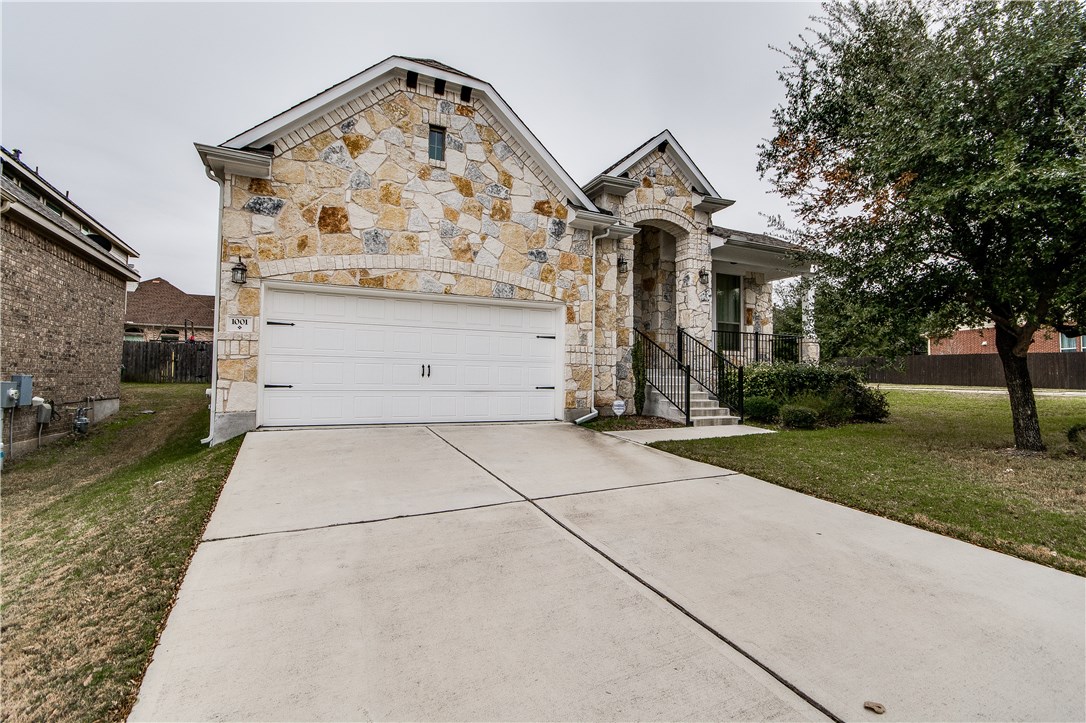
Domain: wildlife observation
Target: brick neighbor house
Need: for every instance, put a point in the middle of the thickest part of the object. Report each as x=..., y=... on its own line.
x=981, y=340
x=64, y=277
x=159, y=311
x=402, y=248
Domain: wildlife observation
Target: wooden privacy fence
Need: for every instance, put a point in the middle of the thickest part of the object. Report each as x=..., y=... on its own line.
x=164, y=361
x=1054, y=370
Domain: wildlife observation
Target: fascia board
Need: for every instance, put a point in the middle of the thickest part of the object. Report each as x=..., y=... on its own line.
x=591, y=220
x=680, y=154
x=81, y=245
x=610, y=184
x=711, y=205
x=305, y=112
x=228, y=160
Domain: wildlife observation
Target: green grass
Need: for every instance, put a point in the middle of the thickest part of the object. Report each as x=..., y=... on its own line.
x=97, y=533
x=944, y=462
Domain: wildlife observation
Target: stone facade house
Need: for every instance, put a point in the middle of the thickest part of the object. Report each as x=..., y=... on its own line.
x=412, y=253
x=62, y=308
x=159, y=311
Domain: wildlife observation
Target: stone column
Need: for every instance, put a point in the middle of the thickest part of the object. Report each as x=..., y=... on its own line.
x=624, y=323
x=693, y=298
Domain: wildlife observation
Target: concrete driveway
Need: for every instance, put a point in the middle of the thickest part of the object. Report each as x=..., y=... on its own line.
x=546, y=572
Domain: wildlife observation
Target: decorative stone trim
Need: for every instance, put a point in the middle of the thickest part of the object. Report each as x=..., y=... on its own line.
x=304, y=264
x=665, y=216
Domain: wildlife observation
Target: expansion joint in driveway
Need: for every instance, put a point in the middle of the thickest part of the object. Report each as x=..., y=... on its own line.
x=646, y=584
x=357, y=522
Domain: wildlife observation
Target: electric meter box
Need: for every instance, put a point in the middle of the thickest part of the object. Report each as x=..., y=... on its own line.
x=7, y=401
x=25, y=384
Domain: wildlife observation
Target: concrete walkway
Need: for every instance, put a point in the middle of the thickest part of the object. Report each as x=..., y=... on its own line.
x=648, y=436
x=516, y=572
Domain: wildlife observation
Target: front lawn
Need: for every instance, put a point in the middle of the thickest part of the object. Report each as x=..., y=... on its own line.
x=97, y=533
x=943, y=462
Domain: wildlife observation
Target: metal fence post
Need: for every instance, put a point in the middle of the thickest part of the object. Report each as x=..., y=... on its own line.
x=686, y=368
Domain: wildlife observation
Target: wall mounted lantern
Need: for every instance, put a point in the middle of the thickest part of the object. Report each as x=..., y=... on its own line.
x=239, y=272
x=703, y=276
x=623, y=265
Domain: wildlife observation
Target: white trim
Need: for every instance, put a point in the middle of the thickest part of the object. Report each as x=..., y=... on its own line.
x=558, y=307
x=395, y=66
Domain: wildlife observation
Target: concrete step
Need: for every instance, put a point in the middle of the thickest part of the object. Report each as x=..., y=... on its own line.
x=713, y=421
x=713, y=411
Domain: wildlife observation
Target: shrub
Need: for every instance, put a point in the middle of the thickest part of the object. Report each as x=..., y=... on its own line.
x=761, y=409
x=797, y=416
x=840, y=391
x=870, y=405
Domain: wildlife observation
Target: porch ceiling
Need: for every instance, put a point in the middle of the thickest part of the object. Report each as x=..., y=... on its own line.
x=774, y=264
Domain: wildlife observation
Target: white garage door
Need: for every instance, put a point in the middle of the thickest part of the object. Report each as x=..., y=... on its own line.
x=342, y=358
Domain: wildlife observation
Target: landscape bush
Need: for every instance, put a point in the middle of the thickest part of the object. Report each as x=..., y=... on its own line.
x=761, y=409
x=797, y=416
x=836, y=394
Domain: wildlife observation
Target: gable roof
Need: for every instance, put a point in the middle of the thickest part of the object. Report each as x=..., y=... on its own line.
x=676, y=151
x=395, y=66
x=158, y=302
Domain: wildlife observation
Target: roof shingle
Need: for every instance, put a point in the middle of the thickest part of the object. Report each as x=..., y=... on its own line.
x=160, y=303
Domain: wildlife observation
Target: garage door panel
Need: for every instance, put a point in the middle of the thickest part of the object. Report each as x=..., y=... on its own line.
x=407, y=311
x=406, y=374
x=354, y=359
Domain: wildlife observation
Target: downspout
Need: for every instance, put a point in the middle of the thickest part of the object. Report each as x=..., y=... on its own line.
x=215, y=329
x=592, y=293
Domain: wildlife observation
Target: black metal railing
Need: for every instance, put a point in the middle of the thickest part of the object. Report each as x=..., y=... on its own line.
x=749, y=347
x=719, y=376
x=666, y=374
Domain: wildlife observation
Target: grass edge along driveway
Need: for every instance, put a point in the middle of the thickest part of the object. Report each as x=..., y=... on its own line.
x=942, y=462
x=97, y=535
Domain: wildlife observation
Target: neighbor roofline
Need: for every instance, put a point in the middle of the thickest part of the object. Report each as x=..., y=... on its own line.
x=396, y=66
x=64, y=200
x=78, y=242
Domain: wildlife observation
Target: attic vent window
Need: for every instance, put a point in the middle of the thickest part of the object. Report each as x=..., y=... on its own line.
x=412, y=79
x=439, y=86
x=437, y=143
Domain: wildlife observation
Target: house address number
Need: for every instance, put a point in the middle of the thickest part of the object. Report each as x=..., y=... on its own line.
x=240, y=323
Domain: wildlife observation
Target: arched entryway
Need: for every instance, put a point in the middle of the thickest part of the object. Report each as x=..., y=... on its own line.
x=654, y=298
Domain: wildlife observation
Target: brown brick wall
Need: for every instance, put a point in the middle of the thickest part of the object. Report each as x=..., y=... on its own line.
x=972, y=341
x=61, y=320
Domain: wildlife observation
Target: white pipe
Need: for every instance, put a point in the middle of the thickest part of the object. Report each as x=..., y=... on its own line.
x=215, y=329
x=592, y=293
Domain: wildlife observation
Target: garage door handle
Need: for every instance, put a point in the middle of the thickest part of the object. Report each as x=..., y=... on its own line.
x=427, y=371
x=544, y=387
x=545, y=336
x=280, y=323
x=278, y=386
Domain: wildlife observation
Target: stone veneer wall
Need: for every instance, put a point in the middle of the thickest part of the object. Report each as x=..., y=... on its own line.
x=758, y=295
x=654, y=285
x=354, y=200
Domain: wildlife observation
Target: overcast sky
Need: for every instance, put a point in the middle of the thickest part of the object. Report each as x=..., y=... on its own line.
x=107, y=99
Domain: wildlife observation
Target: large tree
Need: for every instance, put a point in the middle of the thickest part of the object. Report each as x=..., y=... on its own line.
x=933, y=155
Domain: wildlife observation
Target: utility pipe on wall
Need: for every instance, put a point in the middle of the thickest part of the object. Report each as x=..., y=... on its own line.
x=210, y=438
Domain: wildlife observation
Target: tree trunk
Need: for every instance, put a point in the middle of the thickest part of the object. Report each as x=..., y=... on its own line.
x=1027, y=428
